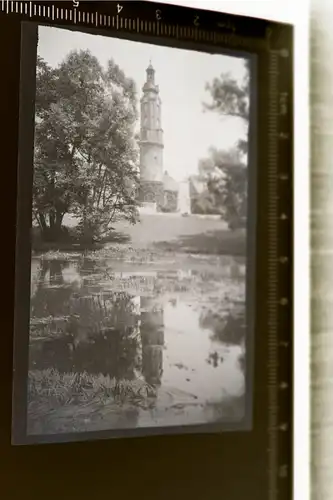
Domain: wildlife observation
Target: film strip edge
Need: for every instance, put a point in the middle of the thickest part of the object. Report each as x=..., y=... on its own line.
x=276, y=301
x=117, y=21
x=279, y=265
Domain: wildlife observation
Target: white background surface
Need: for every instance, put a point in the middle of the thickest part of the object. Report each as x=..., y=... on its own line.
x=295, y=12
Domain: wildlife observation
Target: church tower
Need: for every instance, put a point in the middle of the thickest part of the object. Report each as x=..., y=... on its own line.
x=151, y=145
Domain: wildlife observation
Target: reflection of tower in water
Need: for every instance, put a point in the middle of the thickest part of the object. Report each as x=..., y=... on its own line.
x=152, y=338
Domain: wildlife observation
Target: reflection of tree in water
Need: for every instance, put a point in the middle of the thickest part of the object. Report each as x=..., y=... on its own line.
x=152, y=338
x=86, y=266
x=51, y=291
x=242, y=363
x=232, y=408
x=99, y=332
x=229, y=329
x=214, y=359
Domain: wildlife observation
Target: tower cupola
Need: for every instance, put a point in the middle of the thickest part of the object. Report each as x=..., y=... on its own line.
x=150, y=73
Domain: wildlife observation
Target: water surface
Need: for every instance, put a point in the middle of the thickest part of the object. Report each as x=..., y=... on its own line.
x=182, y=331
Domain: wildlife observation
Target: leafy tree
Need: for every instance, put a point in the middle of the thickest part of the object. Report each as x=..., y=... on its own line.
x=227, y=176
x=231, y=98
x=227, y=184
x=203, y=202
x=85, y=151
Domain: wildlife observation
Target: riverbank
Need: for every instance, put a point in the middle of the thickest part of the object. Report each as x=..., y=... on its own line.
x=127, y=337
x=72, y=402
x=159, y=232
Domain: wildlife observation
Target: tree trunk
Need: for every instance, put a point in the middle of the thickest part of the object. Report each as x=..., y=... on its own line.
x=52, y=233
x=42, y=222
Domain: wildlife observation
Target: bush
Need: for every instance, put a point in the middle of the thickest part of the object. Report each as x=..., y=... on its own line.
x=51, y=386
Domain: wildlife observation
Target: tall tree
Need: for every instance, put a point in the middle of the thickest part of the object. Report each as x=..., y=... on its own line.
x=227, y=184
x=232, y=98
x=85, y=151
x=227, y=181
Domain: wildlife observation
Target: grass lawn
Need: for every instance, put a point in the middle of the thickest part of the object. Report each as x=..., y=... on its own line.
x=190, y=234
x=167, y=232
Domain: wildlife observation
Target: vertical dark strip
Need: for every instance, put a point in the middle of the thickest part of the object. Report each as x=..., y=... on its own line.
x=10, y=39
x=23, y=245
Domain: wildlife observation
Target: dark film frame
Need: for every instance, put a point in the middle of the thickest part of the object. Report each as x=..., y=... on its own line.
x=23, y=257
x=267, y=442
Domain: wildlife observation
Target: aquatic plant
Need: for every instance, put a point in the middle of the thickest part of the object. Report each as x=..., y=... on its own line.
x=56, y=389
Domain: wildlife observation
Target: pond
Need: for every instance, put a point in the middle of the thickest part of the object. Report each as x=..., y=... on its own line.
x=178, y=331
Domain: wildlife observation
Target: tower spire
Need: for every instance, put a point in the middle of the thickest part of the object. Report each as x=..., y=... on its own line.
x=150, y=73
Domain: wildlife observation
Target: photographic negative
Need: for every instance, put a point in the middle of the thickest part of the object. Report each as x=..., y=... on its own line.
x=139, y=317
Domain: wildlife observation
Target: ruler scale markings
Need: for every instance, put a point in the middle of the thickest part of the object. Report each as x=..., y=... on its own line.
x=273, y=277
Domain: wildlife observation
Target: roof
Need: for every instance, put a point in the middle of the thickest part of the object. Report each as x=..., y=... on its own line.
x=169, y=183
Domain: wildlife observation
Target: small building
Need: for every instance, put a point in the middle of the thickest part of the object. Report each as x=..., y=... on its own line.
x=170, y=191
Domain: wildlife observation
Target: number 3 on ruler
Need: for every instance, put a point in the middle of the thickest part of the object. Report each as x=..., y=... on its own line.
x=158, y=15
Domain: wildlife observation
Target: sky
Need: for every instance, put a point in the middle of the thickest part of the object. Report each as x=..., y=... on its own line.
x=189, y=132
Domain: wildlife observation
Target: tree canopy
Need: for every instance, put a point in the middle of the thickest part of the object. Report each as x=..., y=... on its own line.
x=231, y=98
x=225, y=171
x=85, y=161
